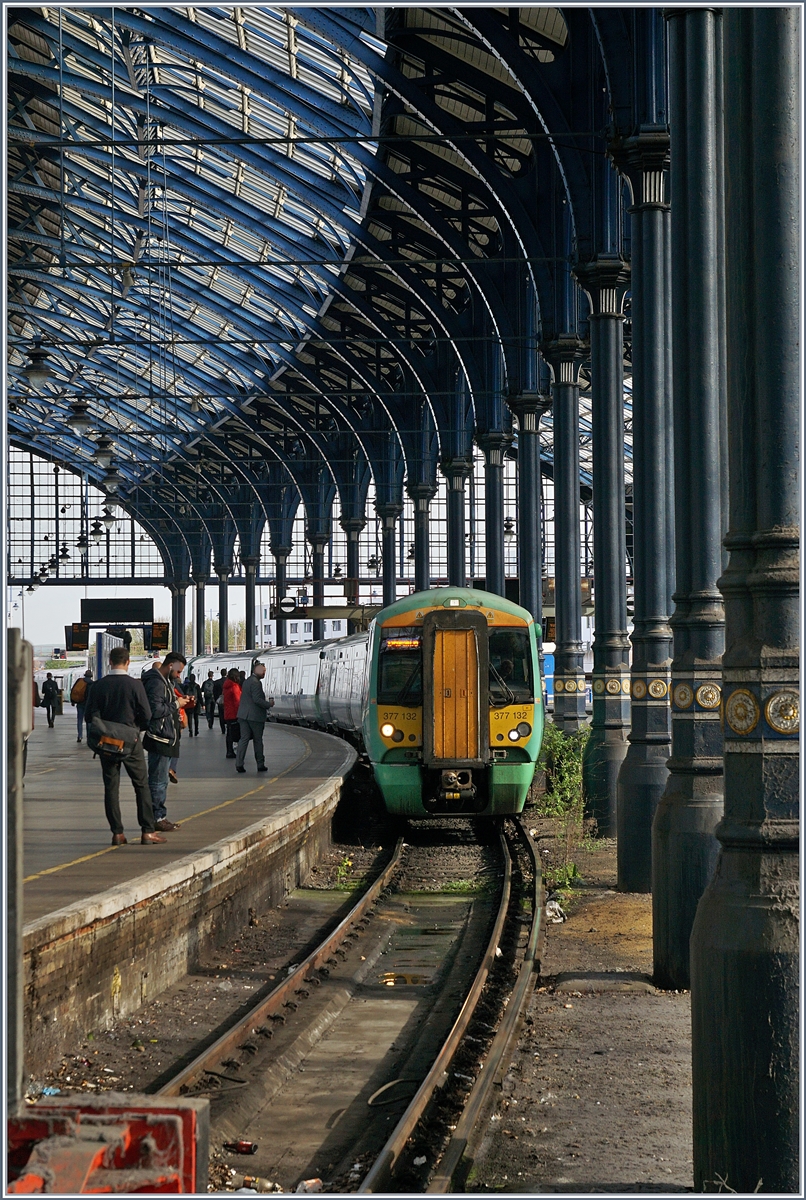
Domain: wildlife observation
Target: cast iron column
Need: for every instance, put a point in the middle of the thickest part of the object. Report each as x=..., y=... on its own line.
x=280, y=554
x=684, y=848
x=527, y=408
x=251, y=565
x=605, y=281
x=421, y=496
x=223, y=607
x=318, y=542
x=200, y=582
x=494, y=444
x=456, y=471
x=389, y=514
x=352, y=526
x=565, y=356
x=744, y=945
x=643, y=773
x=178, y=616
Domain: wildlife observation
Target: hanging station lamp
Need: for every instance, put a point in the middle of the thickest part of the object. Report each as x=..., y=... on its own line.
x=109, y=519
x=43, y=574
x=82, y=542
x=64, y=553
x=79, y=417
x=37, y=370
x=509, y=529
x=111, y=481
x=104, y=452
x=96, y=533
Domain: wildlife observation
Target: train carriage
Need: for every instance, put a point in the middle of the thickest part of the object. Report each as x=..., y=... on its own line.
x=443, y=693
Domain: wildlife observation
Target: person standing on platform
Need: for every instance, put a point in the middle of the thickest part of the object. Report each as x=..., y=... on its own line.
x=162, y=739
x=123, y=700
x=193, y=693
x=50, y=698
x=252, y=713
x=232, y=699
x=78, y=696
x=208, y=695
x=218, y=691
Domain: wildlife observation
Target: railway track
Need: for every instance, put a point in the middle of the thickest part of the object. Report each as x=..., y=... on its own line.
x=348, y=1067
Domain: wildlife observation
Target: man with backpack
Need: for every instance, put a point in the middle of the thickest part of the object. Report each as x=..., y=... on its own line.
x=122, y=706
x=50, y=698
x=78, y=696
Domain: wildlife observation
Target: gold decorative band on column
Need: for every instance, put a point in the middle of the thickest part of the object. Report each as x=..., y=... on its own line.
x=649, y=687
x=569, y=684
x=782, y=711
x=708, y=695
x=611, y=685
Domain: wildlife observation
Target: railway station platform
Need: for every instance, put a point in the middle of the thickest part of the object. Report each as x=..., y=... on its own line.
x=106, y=926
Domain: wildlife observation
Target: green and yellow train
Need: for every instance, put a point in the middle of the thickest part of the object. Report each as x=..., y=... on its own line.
x=443, y=694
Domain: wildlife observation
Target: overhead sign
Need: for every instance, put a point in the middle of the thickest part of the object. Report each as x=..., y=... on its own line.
x=135, y=611
x=159, y=636
x=80, y=637
x=288, y=604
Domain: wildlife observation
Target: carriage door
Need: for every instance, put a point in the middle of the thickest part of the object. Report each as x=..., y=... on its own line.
x=455, y=694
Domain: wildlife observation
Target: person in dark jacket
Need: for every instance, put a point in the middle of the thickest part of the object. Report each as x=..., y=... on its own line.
x=232, y=699
x=252, y=713
x=162, y=739
x=193, y=692
x=208, y=692
x=123, y=700
x=50, y=698
x=218, y=692
x=79, y=694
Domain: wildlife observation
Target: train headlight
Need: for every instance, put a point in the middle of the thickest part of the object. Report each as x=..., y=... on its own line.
x=387, y=730
x=524, y=729
x=514, y=735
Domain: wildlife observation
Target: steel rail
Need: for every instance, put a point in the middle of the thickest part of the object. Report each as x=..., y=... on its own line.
x=283, y=993
x=458, y=1155
x=383, y=1166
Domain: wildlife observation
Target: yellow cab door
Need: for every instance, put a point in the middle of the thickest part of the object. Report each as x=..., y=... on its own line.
x=456, y=685
x=454, y=731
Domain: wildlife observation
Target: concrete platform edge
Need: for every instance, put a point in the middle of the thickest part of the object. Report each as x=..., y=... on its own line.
x=100, y=958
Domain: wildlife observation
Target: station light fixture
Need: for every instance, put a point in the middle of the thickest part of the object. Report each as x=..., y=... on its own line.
x=509, y=529
x=337, y=571
x=43, y=574
x=82, y=542
x=64, y=553
x=32, y=586
x=96, y=533
x=111, y=481
x=104, y=452
x=79, y=416
x=109, y=519
x=37, y=370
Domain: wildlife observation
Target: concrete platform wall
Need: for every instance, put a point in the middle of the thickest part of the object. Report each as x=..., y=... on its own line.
x=101, y=958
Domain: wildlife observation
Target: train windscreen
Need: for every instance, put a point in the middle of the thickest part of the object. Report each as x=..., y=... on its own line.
x=511, y=676
x=400, y=667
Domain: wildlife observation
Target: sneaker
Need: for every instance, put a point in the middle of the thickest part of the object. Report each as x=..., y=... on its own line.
x=151, y=839
x=262, y=769
x=166, y=826
x=241, y=770
x=78, y=739
x=230, y=755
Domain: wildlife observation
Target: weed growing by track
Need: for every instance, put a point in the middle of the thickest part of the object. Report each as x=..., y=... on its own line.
x=561, y=759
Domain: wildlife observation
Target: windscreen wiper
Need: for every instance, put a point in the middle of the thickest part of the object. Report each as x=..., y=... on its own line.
x=509, y=695
x=407, y=686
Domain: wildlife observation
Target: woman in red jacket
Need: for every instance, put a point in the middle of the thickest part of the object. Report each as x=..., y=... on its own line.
x=232, y=698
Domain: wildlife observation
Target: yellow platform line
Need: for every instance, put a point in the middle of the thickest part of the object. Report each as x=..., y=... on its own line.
x=205, y=812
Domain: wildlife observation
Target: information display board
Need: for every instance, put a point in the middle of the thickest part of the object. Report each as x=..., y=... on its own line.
x=137, y=610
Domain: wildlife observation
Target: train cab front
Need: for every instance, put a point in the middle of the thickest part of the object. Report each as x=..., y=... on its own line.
x=451, y=685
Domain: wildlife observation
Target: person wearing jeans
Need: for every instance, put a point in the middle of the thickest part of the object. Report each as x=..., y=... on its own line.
x=162, y=739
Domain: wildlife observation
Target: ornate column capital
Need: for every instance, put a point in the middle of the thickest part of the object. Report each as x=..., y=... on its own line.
x=456, y=471
x=421, y=493
x=528, y=408
x=251, y=563
x=643, y=159
x=223, y=571
x=565, y=355
x=280, y=553
x=605, y=280
x=389, y=513
x=494, y=443
x=352, y=526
